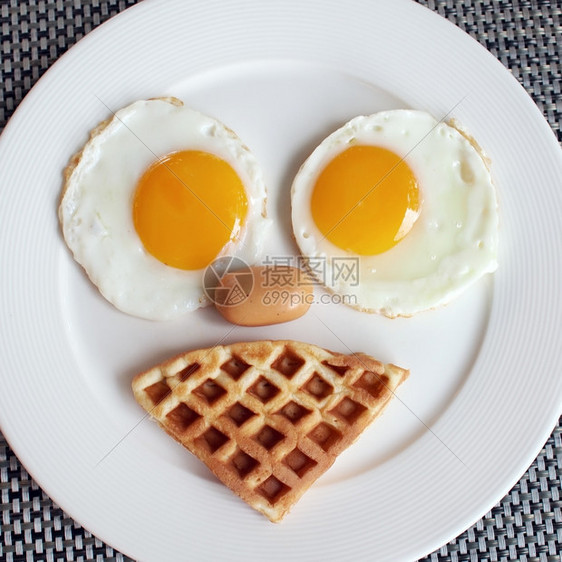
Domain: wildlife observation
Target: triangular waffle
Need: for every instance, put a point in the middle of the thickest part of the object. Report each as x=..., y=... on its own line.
x=267, y=417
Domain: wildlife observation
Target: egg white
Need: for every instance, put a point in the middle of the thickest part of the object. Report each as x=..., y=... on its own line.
x=96, y=216
x=454, y=239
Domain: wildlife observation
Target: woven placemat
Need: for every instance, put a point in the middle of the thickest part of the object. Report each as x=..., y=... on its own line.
x=527, y=37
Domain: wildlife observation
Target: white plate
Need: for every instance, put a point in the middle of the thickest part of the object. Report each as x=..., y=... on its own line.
x=484, y=390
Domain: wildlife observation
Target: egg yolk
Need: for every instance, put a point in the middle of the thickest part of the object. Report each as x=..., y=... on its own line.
x=365, y=200
x=187, y=206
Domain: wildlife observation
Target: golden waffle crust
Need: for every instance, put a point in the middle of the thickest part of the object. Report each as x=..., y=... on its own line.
x=267, y=417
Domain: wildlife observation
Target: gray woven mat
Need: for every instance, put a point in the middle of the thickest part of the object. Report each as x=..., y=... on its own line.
x=527, y=37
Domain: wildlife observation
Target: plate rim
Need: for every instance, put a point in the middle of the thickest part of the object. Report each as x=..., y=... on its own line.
x=71, y=54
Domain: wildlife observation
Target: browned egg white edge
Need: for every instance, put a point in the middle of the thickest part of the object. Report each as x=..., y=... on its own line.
x=453, y=123
x=98, y=129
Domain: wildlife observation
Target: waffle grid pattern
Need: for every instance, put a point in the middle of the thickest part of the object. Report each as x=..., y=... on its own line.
x=526, y=36
x=267, y=418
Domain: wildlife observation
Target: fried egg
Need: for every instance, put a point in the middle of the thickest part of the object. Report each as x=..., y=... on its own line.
x=397, y=211
x=157, y=193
